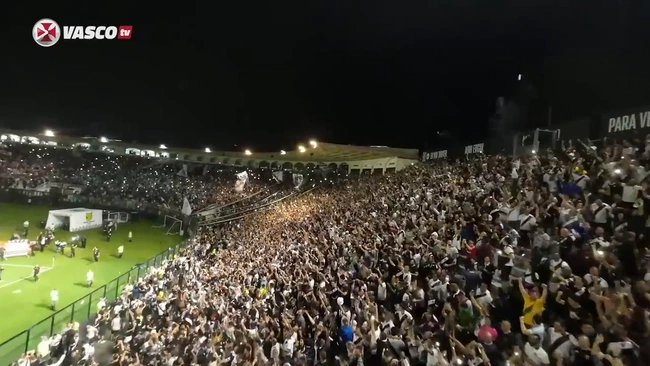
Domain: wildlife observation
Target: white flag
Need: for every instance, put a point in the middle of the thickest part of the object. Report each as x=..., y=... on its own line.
x=242, y=178
x=187, y=209
x=279, y=176
x=298, y=180
x=183, y=171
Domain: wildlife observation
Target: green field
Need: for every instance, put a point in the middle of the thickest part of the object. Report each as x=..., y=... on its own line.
x=24, y=304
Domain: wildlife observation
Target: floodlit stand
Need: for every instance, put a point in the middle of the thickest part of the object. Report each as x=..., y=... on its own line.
x=173, y=224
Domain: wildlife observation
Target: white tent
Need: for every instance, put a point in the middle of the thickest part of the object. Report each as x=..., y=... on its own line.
x=78, y=219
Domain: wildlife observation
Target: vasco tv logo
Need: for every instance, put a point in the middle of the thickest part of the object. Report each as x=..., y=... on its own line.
x=47, y=32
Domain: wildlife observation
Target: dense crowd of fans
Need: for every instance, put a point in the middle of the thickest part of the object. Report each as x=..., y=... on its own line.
x=540, y=260
x=139, y=181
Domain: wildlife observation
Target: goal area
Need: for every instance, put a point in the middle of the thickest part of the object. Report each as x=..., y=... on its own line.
x=173, y=225
x=119, y=218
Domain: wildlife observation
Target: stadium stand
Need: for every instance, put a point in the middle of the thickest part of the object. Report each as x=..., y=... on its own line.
x=486, y=260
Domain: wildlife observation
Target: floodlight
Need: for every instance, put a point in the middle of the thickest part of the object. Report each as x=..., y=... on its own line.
x=103, y=140
x=313, y=143
x=162, y=146
x=49, y=133
x=207, y=149
x=282, y=152
x=247, y=152
x=301, y=149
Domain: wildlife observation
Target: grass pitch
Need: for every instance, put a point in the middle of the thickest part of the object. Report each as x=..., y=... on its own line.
x=24, y=304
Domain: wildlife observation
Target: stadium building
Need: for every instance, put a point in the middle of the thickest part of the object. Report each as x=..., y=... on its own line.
x=343, y=158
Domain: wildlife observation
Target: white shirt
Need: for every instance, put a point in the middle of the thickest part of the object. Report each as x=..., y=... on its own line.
x=559, y=264
x=483, y=298
x=289, y=343
x=407, y=277
x=381, y=291
x=161, y=308
x=538, y=357
x=43, y=348
x=90, y=275
x=507, y=251
x=630, y=193
x=275, y=351
x=565, y=347
x=603, y=214
x=513, y=214
x=552, y=183
x=101, y=304
x=54, y=295
x=120, y=249
x=116, y=324
x=581, y=180
x=526, y=222
x=91, y=332
x=89, y=351
x=432, y=358
x=601, y=282
x=401, y=313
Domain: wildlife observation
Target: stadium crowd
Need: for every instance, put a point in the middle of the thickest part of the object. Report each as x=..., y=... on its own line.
x=540, y=260
x=111, y=179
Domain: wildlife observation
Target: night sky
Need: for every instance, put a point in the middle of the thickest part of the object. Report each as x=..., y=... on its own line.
x=268, y=75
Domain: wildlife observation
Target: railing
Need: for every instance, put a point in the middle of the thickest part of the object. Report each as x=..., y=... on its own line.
x=78, y=311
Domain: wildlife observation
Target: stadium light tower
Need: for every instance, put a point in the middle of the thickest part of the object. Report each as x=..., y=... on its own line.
x=49, y=133
x=282, y=152
x=313, y=143
x=301, y=149
x=162, y=146
x=247, y=152
x=207, y=150
x=103, y=140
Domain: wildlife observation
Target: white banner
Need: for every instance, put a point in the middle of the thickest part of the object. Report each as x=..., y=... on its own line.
x=242, y=178
x=278, y=176
x=298, y=179
x=474, y=149
x=442, y=154
x=183, y=171
x=187, y=209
